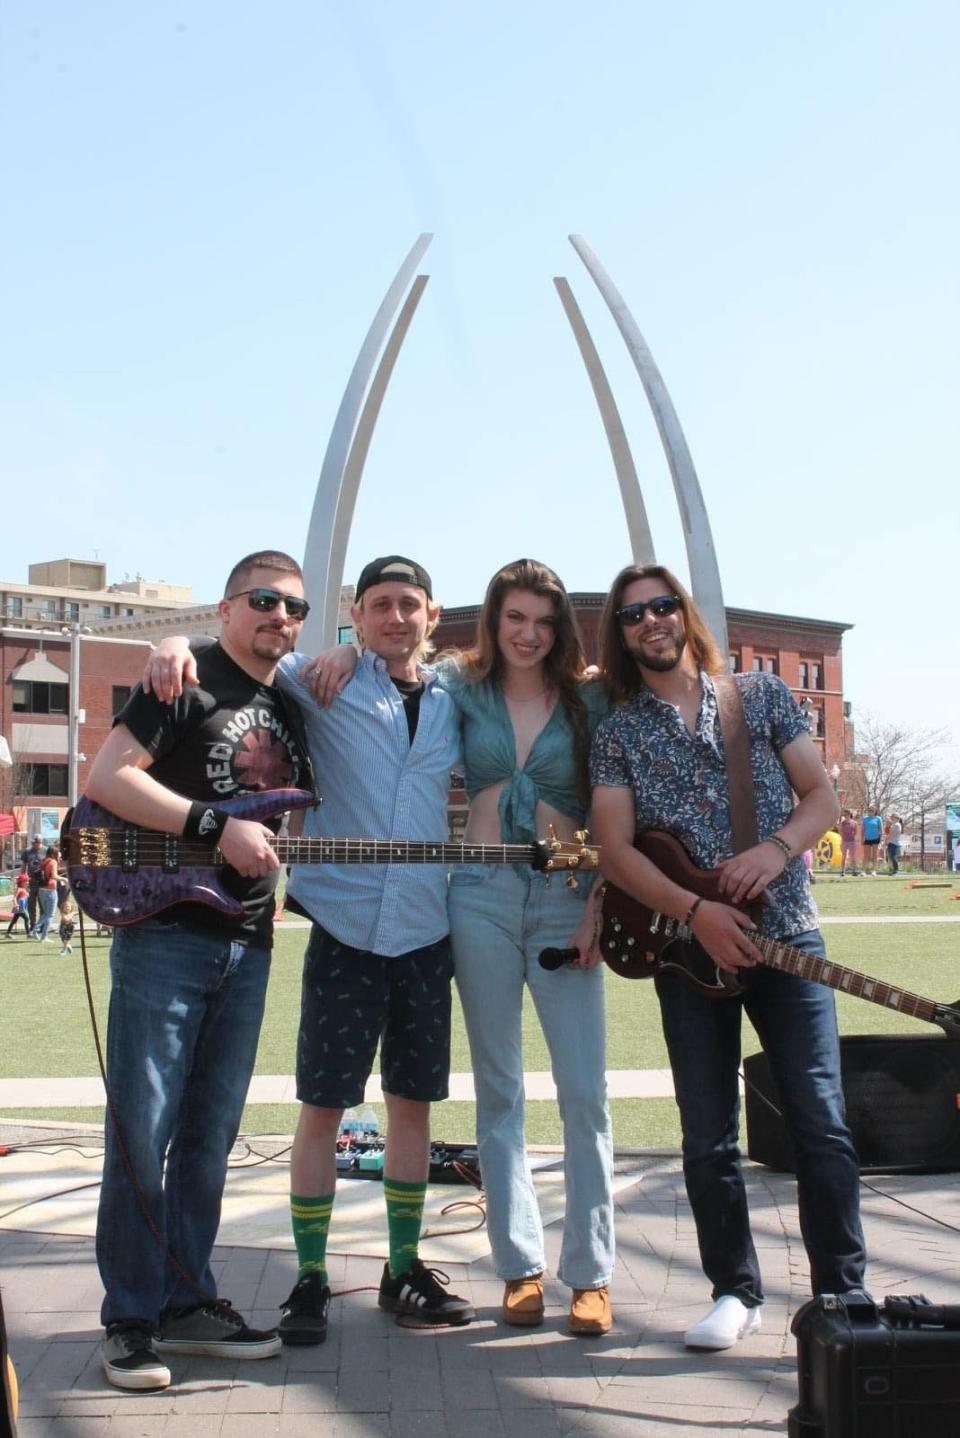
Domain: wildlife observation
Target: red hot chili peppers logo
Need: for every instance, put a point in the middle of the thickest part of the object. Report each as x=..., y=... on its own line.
x=258, y=752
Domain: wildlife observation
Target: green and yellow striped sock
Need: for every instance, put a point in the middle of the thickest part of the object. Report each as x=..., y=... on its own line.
x=404, y=1217
x=311, y=1224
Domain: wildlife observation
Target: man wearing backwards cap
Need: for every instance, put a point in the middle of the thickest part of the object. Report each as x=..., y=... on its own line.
x=378, y=965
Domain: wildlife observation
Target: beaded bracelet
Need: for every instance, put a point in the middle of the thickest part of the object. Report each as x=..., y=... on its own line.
x=780, y=843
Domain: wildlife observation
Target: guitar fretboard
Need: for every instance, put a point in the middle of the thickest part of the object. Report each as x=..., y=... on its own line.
x=147, y=847
x=822, y=971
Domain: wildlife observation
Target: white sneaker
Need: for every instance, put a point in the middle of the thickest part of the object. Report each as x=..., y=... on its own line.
x=728, y=1321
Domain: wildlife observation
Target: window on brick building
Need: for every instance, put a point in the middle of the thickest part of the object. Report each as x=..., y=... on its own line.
x=36, y=697
x=766, y=663
x=71, y=609
x=815, y=715
x=105, y=610
x=14, y=606
x=811, y=674
x=119, y=695
x=733, y=661
x=49, y=780
x=345, y=634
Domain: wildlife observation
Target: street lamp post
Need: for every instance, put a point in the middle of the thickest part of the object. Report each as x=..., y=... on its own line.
x=76, y=715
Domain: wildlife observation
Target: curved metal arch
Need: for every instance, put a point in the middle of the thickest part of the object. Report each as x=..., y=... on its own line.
x=638, y=525
x=329, y=527
x=701, y=555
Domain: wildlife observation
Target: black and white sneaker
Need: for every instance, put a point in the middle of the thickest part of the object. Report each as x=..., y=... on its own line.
x=418, y=1294
x=304, y=1318
x=128, y=1359
x=215, y=1330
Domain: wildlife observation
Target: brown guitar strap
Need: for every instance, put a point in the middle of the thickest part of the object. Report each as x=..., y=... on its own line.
x=736, y=748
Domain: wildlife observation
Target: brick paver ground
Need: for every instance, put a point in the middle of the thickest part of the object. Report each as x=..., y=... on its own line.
x=373, y=1379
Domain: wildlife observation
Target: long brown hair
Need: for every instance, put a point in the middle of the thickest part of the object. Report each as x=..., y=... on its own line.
x=563, y=666
x=621, y=674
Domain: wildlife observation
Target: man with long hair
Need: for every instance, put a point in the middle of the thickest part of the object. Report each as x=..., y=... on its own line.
x=658, y=762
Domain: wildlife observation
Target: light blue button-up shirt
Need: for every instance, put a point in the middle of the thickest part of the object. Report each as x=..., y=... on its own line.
x=375, y=784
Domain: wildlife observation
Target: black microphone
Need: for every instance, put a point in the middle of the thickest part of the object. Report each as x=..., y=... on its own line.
x=556, y=958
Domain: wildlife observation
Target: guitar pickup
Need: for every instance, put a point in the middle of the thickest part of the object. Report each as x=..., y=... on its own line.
x=170, y=856
x=129, y=851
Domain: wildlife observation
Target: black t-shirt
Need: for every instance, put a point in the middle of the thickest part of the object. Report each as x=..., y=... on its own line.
x=228, y=736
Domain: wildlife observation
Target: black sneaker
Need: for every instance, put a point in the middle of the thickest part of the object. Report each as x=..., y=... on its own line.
x=216, y=1330
x=128, y=1359
x=304, y=1318
x=418, y=1294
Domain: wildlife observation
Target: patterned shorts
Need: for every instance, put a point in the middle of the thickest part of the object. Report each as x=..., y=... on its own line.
x=351, y=1001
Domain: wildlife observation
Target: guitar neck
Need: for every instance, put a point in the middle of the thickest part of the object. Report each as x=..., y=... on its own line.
x=821, y=971
x=399, y=851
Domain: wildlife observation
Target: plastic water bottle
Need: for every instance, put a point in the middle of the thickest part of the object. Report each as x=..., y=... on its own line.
x=349, y=1124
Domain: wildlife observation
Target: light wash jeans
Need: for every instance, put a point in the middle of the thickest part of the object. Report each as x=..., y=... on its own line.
x=500, y=921
x=48, y=906
x=184, y=1019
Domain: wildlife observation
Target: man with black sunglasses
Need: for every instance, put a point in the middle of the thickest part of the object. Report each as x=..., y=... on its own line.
x=659, y=762
x=188, y=986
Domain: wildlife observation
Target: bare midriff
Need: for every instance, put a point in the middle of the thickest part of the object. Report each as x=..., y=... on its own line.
x=483, y=825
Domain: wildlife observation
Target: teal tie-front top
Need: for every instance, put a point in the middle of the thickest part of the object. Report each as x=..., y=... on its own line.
x=490, y=755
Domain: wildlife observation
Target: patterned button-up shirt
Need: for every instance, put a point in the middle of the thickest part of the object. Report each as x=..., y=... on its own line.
x=679, y=780
x=375, y=784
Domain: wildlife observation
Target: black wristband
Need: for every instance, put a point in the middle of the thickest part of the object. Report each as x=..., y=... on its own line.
x=205, y=822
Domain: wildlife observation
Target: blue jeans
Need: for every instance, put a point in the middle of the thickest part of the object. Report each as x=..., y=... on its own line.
x=797, y=1025
x=184, y=1020
x=48, y=905
x=500, y=920
x=893, y=858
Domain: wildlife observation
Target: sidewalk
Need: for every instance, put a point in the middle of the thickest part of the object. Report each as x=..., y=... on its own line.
x=373, y=1379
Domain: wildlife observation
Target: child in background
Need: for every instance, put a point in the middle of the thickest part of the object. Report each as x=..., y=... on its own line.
x=67, y=926
x=21, y=896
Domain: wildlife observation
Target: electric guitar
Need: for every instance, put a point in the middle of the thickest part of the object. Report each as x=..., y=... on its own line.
x=121, y=874
x=636, y=942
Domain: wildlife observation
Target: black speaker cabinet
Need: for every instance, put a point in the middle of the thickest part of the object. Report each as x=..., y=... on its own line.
x=902, y=1094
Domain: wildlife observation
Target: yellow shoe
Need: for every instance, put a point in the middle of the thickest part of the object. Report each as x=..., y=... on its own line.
x=590, y=1311
x=523, y=1301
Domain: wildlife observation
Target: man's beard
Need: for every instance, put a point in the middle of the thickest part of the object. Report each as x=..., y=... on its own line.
x=664, y=662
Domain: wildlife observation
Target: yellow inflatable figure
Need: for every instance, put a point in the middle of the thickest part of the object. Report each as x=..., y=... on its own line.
x=828, y=850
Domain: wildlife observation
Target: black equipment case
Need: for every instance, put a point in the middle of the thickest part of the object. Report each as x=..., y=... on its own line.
x=869, y=1372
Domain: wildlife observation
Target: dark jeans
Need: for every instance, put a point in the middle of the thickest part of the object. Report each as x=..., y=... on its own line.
x=185, y=1011
x=893, y=856
x=796, y=1021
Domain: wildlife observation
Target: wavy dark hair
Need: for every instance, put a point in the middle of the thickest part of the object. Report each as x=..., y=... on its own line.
x=564, y=665
x=621, y=673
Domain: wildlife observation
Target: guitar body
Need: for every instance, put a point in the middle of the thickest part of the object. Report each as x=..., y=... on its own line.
x=117, y=896
x=636, y=943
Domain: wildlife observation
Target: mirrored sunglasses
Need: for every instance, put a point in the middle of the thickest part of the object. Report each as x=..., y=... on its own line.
x=264, y=600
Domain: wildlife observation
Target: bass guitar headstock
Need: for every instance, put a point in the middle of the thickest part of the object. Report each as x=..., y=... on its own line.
x=561, y=856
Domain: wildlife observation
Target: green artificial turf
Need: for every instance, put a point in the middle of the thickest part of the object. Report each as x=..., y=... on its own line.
x=47, y=1026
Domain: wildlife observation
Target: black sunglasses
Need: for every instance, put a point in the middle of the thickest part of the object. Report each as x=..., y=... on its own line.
x=660, y=607
x=265, y=600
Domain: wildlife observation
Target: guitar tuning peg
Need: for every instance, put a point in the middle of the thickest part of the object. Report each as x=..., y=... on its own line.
x=581, y=835
x=552, y=839
x=571, y=882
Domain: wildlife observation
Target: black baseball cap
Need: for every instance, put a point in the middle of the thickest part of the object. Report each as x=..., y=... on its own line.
x=393, y=567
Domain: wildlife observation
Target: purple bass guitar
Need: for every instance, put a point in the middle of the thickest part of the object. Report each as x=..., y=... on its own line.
x=121, y=874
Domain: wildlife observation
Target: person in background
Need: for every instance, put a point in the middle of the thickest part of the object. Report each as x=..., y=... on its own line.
x=50, y=872
x=32, y=861
x=67, y=926
x=21, y=898
x=872, y=830
x=894, y=837
x=848, y=843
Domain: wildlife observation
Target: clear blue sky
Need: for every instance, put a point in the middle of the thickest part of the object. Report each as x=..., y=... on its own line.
x=204, y=203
